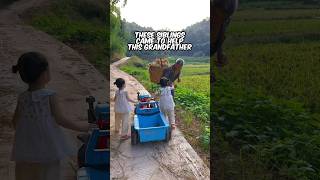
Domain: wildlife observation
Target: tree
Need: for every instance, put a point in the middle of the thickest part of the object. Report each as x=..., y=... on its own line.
x=117, y=35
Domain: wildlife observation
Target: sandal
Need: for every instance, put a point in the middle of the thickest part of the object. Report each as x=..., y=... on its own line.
x=125, y=137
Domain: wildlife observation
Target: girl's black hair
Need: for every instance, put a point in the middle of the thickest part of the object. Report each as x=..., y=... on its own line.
x=30, y=66
x=119, y=82
x=164, y=82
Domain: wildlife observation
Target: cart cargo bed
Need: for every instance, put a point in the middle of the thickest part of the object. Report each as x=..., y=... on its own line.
x=151, y=127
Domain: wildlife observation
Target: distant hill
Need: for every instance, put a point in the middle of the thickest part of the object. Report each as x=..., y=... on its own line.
x=129, y=28
x=198, y=34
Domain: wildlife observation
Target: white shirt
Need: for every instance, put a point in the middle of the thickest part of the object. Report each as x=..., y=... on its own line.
x=121, y=104
x=166, y=99
x=38, y=138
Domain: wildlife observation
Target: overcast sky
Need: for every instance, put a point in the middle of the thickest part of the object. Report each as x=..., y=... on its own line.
x=165, y=14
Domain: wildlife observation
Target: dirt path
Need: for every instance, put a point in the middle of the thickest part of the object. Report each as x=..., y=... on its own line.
x=158, y=160
x=73, y=78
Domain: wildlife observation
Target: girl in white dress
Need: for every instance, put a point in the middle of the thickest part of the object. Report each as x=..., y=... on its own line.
x=166, y=102
x=122, y=108
x=39, y=144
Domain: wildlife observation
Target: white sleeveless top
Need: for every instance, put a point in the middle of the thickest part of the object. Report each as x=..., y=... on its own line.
x=166, y=100
x=38, y=138
x=121, y=104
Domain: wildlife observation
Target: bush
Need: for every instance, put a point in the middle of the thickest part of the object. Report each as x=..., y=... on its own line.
x=72, y=22
x=281, y=134
x=92, y=9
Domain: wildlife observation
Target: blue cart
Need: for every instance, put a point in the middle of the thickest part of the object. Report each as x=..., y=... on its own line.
x=149, y=124
x=94, y=154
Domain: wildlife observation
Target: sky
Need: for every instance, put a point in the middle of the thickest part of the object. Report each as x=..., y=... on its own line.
x=165, y=14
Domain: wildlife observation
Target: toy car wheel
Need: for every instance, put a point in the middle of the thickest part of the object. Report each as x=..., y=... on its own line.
x=134, y=136
x=81, y=155
x=168, y=137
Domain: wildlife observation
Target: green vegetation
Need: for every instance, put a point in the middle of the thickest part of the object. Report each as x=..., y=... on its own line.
x=191, y=94
x=117, y=33
x=263, y=27
x=80, y=24
x=266, y=100
x=280, y=4
x=191, y=60
x=138, y=68
x=261, y=137
x=274, y=14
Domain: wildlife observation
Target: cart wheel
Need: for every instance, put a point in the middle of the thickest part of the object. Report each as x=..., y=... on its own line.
x=81, y=155
x=134, y=136
x=168, y=137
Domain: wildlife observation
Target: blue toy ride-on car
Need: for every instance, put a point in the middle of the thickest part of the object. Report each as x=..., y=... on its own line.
x=94, y=154
x=149, y=123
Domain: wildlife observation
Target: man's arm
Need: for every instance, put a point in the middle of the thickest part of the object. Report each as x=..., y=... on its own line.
x=62, y=120
x=222, y=10
x=166, y=73
x=178, y=76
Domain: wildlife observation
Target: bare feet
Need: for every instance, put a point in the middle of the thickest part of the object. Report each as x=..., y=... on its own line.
x=173, y=126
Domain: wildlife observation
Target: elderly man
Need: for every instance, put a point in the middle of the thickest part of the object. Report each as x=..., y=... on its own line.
x=173, y=72
x=222, y=11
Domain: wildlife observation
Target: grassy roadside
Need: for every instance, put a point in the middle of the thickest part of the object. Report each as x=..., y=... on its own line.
x=278, y=137
x=192, y=100
x=266, y=101
x=77, y=23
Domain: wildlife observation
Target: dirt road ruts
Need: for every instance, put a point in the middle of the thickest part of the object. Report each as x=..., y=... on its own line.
x=73, y=78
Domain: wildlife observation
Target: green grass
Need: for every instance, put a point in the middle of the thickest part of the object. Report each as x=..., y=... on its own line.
x=272, y=27
x=279, y=4
x=196, y=69
x=275, y=14
x=283, y=70
x=279, y=138
x=260, y=26
x=191, y=60
x=80, y=24
x=138, y=68
x=266, y=100
x=198, y=83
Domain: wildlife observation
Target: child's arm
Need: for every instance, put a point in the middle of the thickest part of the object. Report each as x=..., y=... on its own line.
x=129, y=99
x=157, y=94
x=61, y=120
x=114, y=98
x=16, y=116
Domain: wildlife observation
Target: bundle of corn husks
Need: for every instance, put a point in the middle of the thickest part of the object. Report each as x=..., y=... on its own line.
x=156, y=69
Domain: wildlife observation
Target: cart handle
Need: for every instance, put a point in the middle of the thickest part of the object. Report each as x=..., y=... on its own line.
x=149, y=114
x=150, y=102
